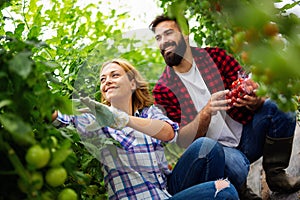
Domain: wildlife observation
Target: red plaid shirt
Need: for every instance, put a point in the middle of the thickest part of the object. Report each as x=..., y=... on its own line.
x=218, y=71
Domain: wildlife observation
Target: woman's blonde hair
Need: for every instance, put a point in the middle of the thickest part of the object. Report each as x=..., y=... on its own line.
x=141, y=97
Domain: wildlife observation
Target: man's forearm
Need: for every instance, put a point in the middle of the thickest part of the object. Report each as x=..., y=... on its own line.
x=195, y=129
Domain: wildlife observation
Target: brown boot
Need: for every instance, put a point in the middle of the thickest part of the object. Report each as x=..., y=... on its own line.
x=276, y=157
x=246, y=193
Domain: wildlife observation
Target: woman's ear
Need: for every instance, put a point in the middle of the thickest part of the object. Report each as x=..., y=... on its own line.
x=133, y=84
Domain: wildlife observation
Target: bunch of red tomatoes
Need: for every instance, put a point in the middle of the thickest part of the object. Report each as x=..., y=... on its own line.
x=241, y=87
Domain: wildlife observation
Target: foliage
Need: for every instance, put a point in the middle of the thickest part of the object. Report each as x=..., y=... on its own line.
x=25, y=121
x=264, y=38
x=53, y=55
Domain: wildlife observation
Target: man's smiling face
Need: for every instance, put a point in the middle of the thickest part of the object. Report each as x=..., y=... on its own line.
x=170, y=42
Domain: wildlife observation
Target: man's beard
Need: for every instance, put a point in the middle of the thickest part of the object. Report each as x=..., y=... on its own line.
x=174, y=58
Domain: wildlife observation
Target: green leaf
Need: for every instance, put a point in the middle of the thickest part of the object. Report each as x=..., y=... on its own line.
x=19, y=30
x=20, y=131
x=34, y=32
x=5, y=103
x=21, y=64
x=59, y=156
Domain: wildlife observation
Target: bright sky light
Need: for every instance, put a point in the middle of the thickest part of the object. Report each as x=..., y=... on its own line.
x=295, y=9
x=141, y=12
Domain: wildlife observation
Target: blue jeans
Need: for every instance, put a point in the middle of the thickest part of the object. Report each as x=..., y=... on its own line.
x=206, y=191
x=267, y=121
x=202, y=161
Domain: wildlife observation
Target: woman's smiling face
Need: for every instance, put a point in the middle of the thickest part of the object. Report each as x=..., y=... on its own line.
x=115, y=84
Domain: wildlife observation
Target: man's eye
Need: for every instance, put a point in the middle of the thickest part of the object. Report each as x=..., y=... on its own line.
x=157, y=38
x=169, y=32
x=102, y=80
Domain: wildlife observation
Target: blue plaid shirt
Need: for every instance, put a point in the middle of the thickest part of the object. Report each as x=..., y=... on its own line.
x=135, y=169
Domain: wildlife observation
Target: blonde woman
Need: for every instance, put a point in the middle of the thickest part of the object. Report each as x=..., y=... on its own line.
x=137, y=167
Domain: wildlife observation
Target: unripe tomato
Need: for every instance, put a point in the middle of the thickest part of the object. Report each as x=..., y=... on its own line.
x=37, y=180
x=92, y=190
x=37, y=156
x=22, y=185
x=56, y=176
x=47, y=196
x=67, y=194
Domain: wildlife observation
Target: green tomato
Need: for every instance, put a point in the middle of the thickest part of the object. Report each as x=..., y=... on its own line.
x=22, y=185
x=37, y=180
x=47, y=196
x=37, y=156
x=56, y=176
x=67, y=194
x=92, y=190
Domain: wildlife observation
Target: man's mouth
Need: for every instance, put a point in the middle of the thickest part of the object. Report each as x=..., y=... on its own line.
x=169, y=49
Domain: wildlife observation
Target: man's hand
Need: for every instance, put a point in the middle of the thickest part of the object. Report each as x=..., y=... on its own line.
x=105, y=115
x=251, y=102
x=216, y=103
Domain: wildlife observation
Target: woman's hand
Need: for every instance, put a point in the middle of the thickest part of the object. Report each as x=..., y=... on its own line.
x=106, y=115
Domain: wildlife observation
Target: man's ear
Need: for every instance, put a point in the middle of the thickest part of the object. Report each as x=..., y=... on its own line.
x=186, y=38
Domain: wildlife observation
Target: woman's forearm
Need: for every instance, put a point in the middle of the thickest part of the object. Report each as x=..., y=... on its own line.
x=153, y=127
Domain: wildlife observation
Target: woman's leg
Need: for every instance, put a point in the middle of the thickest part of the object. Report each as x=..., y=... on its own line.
x=202, y=161
x=220, y=189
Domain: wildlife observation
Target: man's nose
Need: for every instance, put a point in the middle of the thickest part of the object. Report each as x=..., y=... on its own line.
x=163, y=41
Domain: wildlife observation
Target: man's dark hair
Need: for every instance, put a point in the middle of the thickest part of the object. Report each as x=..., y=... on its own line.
x=162, y=18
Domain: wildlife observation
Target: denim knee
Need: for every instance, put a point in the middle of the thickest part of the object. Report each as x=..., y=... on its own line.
x=237, y=166
x=207, y=146
x=225, y=190
x=283, y=124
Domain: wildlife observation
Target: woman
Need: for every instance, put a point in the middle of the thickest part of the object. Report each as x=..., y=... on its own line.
x=137, y=168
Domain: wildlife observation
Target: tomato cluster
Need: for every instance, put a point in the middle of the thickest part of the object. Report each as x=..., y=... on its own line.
x=45, y=167
x=241, y=87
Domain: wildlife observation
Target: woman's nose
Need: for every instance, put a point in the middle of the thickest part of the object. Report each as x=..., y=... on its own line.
x=107, y=81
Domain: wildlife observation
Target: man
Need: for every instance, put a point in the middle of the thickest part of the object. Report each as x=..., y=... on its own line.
x=192, y=91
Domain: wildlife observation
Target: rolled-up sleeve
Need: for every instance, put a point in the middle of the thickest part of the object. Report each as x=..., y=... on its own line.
x=80, y=122
x=156, y=113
